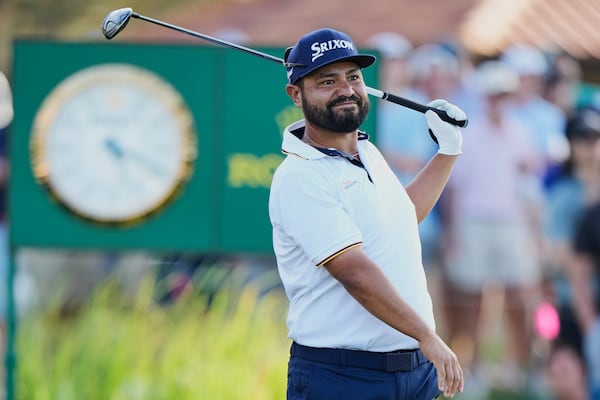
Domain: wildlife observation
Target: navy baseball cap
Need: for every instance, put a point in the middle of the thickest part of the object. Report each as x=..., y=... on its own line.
x=584, y=124
x=319, y=48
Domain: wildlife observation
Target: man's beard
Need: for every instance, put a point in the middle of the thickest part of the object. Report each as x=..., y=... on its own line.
x=344, y=120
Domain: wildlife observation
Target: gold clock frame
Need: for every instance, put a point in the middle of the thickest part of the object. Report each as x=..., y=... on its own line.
x=93, y=76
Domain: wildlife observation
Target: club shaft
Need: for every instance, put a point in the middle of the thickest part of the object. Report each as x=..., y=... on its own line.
x=373, y=92
x=214, y=40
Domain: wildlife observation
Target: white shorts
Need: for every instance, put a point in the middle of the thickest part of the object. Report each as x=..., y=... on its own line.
x=493, y=252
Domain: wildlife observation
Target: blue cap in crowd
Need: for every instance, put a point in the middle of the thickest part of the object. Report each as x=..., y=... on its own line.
x=319, y=48
x=584, y=124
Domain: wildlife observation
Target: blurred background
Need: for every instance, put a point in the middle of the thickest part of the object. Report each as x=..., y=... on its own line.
x=184, y=301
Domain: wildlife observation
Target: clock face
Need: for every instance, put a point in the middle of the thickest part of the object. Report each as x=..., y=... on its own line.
x=113, y=143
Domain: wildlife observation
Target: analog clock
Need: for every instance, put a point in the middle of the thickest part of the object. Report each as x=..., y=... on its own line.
x=113, y=143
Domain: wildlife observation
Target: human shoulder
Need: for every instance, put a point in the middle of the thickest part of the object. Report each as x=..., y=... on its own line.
x=295, y=172
x=368, y=146
x=297, y=184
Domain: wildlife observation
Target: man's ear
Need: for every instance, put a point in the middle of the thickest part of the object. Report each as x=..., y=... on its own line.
x=295, y=94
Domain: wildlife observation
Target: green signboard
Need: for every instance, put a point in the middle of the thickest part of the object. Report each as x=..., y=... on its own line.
x=82, y=103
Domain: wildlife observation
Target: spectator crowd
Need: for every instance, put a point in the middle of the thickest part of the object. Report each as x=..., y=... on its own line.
x=513, y=248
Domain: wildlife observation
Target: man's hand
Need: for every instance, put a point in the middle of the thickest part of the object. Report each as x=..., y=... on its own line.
x=446, y=135
x=450, y=375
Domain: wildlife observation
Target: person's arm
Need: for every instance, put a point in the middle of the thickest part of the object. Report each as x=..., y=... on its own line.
x=426, y=189
x=580, y=267
x=580, y=274
x=365, y=281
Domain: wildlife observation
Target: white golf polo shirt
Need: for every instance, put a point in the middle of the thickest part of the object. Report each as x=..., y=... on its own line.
x=321, y=205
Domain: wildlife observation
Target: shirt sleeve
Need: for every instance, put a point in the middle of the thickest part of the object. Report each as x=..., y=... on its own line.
x=308, y=210
x=563, y=207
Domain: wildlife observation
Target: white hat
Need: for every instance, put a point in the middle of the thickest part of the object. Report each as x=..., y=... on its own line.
x=430, y=55
x=391, y=44
x=495, y=77
x=525, y=59
x=6, y=105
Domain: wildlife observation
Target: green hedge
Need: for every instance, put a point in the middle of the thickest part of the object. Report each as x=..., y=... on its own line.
x=230, y=345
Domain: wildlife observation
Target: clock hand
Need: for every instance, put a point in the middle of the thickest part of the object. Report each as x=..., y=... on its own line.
x=121, y=153
x=144, y=161
x=113, y=147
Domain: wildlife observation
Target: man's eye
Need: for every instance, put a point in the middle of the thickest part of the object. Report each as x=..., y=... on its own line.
x=354, y=77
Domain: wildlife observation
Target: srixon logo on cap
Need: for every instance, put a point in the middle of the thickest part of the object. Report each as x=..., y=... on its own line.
x=320, y=48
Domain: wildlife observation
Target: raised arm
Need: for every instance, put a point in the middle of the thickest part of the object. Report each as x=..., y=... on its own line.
x=426, y=189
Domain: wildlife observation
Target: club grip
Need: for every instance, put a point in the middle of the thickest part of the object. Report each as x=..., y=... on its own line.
x=421, y=108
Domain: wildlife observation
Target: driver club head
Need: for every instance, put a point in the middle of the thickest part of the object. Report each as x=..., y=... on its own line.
x=116, y=21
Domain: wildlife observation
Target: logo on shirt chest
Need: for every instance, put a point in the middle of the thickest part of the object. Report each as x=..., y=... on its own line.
x=348, y=183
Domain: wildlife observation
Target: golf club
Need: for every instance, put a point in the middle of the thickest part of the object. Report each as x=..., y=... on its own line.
x=117, y=20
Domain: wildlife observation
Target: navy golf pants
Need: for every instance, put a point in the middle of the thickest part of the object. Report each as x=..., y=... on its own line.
x=310, y=380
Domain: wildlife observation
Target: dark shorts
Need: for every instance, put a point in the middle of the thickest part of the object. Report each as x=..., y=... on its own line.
x=314, y=380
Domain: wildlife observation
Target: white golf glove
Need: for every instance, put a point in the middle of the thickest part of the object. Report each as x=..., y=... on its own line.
x=448, y=136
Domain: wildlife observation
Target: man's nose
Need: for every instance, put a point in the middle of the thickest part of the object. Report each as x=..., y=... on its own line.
x=345, y=89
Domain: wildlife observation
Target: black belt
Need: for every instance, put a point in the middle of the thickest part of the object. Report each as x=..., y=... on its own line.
x=403, y=360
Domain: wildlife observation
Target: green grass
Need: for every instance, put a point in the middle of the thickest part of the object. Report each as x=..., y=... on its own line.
x=501, y=395
x=114, y=348
x=223, y=338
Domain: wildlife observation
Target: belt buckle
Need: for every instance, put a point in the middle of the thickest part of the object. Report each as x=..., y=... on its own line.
x=399, y=361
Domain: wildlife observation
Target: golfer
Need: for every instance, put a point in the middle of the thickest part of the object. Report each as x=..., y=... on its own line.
x=346, y=240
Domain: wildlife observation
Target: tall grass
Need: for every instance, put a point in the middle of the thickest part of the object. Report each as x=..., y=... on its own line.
x=230, y=345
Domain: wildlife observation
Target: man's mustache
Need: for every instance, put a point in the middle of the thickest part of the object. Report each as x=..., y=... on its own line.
x=343, y=99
